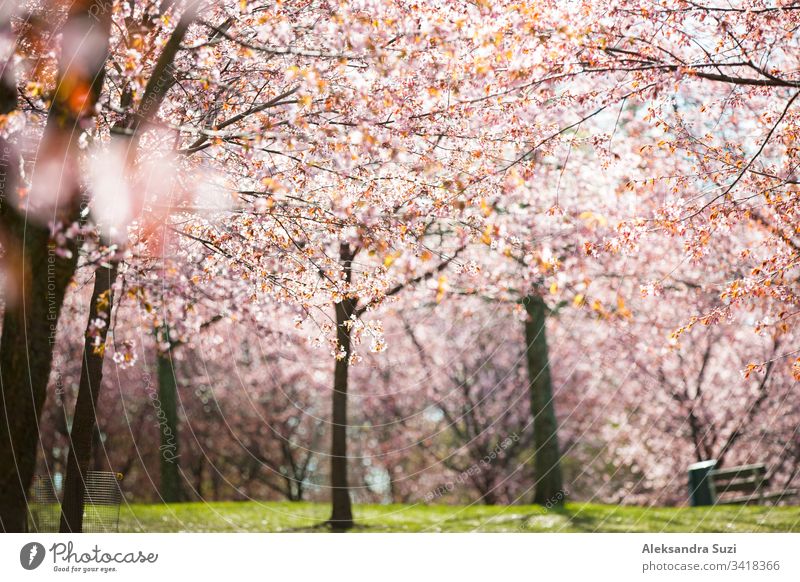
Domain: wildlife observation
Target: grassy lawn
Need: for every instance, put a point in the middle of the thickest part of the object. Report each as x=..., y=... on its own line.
x=575, y=517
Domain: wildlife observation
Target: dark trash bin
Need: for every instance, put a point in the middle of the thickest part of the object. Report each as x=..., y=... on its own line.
x=701, y=485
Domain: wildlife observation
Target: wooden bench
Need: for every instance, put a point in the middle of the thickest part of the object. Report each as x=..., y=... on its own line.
x=735, y=485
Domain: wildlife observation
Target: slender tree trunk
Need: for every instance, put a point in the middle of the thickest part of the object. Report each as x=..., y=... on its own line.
x=342, y=515
x=488, y=497
x=342, y=511
x=167, y=413
x=84, y=422
x=215, y=483
x=547, y=461
x=198, y=476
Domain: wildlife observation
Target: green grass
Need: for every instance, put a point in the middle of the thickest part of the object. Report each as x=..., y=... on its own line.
x=254, y=516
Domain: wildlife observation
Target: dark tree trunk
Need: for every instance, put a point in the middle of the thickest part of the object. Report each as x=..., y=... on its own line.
x=342, y=511
x=26, y=354
x=167, y=414
x=298, y=491
x=15, y=472
x=84, y=422
x=488, y=497
x=547, y=460
x=198, y=476
x=215, y=483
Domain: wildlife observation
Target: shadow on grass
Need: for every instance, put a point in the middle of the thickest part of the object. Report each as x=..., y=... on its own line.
x=327, y=527
x=574, y=517
x=643, y=519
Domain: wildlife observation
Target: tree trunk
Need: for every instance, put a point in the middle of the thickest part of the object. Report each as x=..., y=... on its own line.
x=84, y=422
x=549, y=488
x=342, y=515
x=26, y=354
x=198, y=476
x=488, y=497
x=214, y=483
x=167, y=414
x=342, y=511
x=12, y=495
